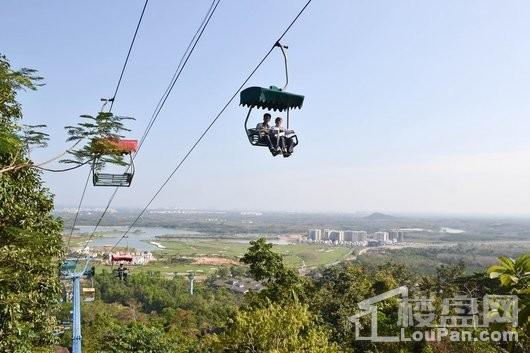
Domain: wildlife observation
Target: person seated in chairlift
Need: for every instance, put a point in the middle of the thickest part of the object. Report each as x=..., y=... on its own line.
x=123, y=272
x=282, y=137
x=263, y=131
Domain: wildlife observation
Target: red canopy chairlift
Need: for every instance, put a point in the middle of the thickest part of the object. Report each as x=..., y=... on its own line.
x=121, y=272
x=113, y=146
x=121, y=258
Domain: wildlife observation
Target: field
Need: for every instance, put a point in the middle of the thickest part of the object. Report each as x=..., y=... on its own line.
x=180, y=256
x=296, y=255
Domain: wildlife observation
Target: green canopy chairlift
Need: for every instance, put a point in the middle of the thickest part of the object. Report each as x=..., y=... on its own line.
x=67, y=266
x=272, y=98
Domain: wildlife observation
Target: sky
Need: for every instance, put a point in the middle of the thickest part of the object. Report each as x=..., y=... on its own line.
x=410, y=106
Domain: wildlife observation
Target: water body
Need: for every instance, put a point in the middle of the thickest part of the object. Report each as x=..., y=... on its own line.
x=137, y=238
x=451, y=230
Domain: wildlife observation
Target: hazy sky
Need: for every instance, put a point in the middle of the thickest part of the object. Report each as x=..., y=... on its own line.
x=411, y=106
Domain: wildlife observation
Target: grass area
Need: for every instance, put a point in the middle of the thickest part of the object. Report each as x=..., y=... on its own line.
x=158, y=266
x=295, y=254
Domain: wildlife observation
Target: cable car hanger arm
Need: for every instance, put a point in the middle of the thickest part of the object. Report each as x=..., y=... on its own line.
x=283, y=48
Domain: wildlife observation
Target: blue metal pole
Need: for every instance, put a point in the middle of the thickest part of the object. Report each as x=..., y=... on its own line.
x=76, y=326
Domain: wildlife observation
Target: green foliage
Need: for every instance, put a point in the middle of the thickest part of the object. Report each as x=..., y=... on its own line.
x=30, y=237
x=273, y=329
x=114, y=328
x=98, y=132
x=334, y=297
x=151, y=308
x=445, y=281
x=136, y=338
x=283, y=284
x=11, y=82
x=15, y=138
x=264, y=263
x=514, y=274
x=514, y=277
x=152, y=293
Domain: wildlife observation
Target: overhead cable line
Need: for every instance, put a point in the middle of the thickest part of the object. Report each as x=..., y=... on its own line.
x=158, y=108
x=127, y=57
x=78, y=210
x=180, y=67
x=112, y=100
x=38, y=166
x=179, y=164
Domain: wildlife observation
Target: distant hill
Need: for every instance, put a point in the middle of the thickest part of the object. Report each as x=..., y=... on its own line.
x=379, y=216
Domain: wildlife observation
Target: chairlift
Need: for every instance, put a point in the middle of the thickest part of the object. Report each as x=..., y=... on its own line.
x=113, y=146
x=68, y=266
x=89, y=294
x=121, y=272
x=272, y=98
x=121, y=258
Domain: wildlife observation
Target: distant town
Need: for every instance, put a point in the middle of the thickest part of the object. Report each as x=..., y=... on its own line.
x=355, y=237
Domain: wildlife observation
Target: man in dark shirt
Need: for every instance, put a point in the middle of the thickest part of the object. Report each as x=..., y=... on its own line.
x=264, y=137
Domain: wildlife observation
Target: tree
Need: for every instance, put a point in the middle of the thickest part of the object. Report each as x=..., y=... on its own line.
x=136, y=338
x=273, y=329
x=283, y=284
x=16, y=139
x=100, y=134
x=264, y=263
x=30, y=237
x=446, y=280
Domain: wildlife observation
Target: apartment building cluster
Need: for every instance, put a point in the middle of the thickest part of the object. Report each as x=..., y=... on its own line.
x=355, y=237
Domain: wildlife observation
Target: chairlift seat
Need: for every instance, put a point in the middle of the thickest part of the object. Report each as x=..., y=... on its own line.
x=89, y=294
x=255, y=140
x=108, y=179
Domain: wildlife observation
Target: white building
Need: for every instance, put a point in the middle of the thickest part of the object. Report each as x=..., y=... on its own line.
x=138, y=258
x=396, y=235
x=381, y=236
x=336, y=235
x=314, y=234
x=355, y=235
x=142, y=258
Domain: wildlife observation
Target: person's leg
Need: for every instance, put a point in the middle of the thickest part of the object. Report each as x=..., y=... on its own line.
x=282, y=143
x=272, y=149
x=290, y=145
x=286, y=147
x=276, y=141
x=266, y=139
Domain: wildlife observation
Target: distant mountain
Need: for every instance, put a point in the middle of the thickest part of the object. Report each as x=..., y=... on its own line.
x=379, y=216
